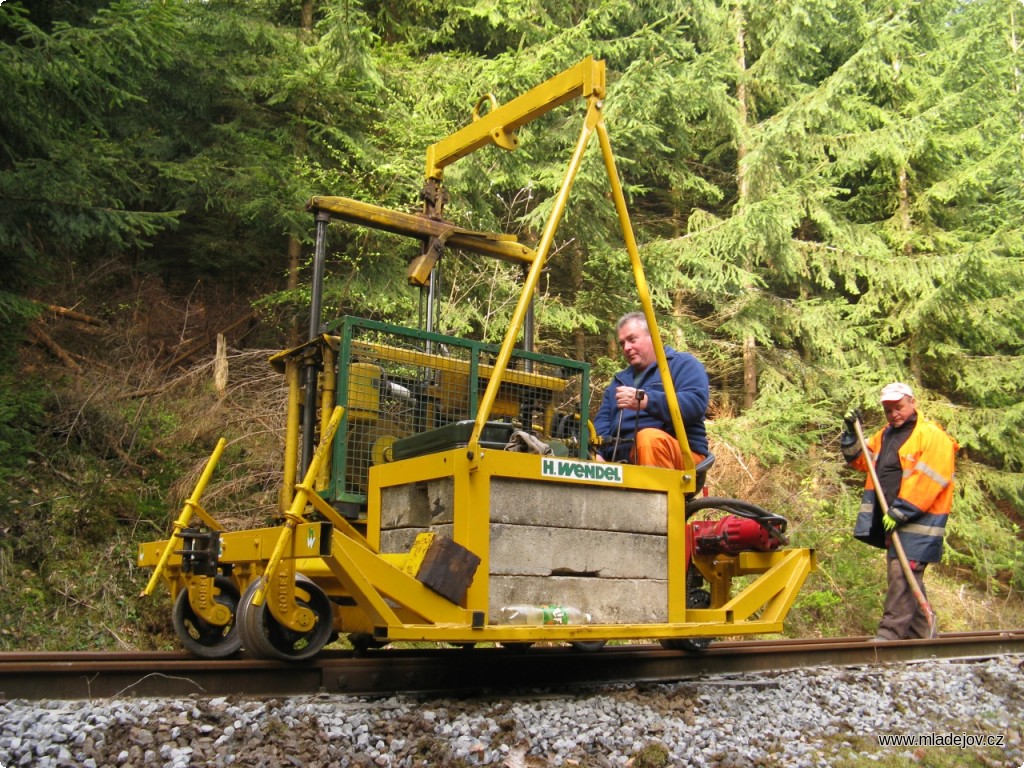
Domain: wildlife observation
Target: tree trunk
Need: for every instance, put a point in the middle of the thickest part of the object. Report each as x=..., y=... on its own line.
x=1015, y=51
x=904, y=211
x=220, y=366
x=678, y=313
x=743, y=191
x=749, y=372
x=742, y=117
x=294, y=246
x=576, y=285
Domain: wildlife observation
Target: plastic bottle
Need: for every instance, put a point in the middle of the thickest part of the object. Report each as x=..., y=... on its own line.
x=543, y=614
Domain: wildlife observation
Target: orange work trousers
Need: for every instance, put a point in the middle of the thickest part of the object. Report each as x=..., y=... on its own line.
x=657, y=448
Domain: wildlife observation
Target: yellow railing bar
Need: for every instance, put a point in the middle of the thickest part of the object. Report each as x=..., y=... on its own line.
x=291, y=434
x=294, y=515
x=593, y=119
x=185, y=516
x=453, y=365
x=645, y=296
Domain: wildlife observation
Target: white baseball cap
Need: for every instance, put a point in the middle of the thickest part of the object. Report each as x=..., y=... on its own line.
x=895, y=391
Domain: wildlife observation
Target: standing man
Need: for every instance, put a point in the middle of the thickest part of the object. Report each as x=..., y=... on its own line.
x=914, y=460
x=634, y=420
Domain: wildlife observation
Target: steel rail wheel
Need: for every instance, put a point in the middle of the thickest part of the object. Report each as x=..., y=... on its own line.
x=692, y=644
x=589, y=646
x=363, y=642
x=696, y=597
x=516, y=647
x=264, y=636
x=205, y=640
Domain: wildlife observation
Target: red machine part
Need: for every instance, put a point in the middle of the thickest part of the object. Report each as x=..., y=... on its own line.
x=729, y=535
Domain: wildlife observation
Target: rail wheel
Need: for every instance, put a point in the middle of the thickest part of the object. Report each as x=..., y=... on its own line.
x=265, y=636
x=589, y=646
x=363, y=642
x=696, y=597
x=692, y=644
x=205, y=640
x=516, y=647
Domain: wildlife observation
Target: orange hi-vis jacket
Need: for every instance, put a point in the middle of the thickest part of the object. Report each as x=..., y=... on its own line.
x=926, y=492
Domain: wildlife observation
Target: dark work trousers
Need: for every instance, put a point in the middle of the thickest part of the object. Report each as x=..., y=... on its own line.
x=902, y=617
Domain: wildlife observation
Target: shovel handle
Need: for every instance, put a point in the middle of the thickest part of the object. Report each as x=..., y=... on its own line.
x=897, y=544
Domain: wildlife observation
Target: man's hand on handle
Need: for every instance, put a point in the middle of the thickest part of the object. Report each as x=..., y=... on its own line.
x=850, y=420
x=630, y=398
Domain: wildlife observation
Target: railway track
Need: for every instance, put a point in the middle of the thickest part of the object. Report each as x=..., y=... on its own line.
x=454, y=671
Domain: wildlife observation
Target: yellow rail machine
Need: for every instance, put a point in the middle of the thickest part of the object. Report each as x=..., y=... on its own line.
x=434, y=486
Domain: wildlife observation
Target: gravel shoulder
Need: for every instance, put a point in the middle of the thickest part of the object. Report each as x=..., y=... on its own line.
x=801, y=719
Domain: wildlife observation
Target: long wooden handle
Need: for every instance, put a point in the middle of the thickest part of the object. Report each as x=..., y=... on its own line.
x=897, y=544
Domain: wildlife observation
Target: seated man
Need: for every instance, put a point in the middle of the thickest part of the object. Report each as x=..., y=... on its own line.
x=634, y=408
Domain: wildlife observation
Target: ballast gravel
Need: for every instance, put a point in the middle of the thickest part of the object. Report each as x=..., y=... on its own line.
x=801, y=718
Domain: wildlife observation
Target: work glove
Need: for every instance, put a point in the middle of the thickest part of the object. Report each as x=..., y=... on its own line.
x=888, y=523
x=852, y=417
x=849, y=437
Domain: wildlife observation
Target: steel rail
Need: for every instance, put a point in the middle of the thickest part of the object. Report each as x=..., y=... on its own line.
x=456, y=671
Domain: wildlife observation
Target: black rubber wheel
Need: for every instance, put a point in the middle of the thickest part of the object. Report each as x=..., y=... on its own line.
x=205, y=640
x=263, y=636
x=589, y=646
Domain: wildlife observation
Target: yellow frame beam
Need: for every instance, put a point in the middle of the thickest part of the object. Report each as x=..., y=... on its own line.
x=501, y=246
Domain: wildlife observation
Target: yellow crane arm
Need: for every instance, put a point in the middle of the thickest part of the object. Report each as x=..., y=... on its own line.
x=498, y=126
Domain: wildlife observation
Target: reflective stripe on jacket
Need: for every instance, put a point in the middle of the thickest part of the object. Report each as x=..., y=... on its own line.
x=926, y=491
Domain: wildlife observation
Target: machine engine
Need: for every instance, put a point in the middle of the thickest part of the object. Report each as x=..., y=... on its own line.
x=731, y=535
